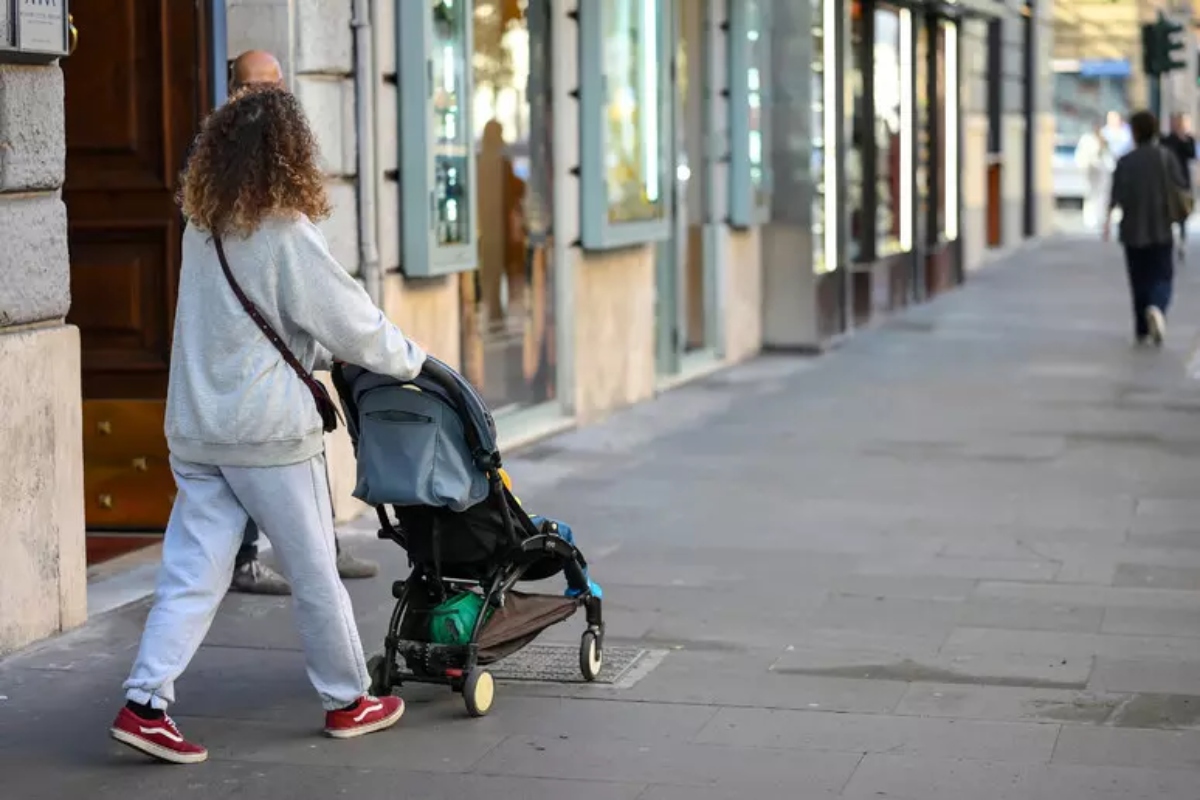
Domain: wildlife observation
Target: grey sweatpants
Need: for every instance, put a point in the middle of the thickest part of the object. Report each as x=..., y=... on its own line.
x=211, y=508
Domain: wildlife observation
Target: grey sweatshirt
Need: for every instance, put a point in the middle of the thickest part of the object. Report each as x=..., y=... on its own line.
x=232, y=400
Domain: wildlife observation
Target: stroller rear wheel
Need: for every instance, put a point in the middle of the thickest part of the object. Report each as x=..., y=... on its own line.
x=479, y=691
x=591, y=656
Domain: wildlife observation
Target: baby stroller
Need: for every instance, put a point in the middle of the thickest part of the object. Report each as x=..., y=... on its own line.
x=427, y=454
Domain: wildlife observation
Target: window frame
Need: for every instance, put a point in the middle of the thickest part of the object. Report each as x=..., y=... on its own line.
x=420, y=255
x=597, y=232
x=745, y=208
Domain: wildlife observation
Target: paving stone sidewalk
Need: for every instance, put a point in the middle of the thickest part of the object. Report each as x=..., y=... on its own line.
x=957, y=558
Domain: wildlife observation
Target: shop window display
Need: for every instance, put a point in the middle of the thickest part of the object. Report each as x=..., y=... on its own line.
x=451, y=132
x=757, y=76
x=508, y=326
x=824, y=194
x=633, y=57
x=749, y=110
x=437, y=158
x=923, y=121
x=860, y=127
x=889, y=134
x=941, y=122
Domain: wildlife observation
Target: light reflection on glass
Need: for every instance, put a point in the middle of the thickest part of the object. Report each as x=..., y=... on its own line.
x=950, y=129
x=818, y=156
x=757, y=55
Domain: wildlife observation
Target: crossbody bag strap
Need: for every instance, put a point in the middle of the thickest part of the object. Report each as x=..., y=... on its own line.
x=264, y=326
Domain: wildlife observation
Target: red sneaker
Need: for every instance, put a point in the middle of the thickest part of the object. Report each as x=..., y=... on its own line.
x=370, y=714
x=158, y=738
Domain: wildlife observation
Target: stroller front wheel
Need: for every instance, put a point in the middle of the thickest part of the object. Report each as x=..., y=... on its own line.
x=479, y=692
x=591, y=656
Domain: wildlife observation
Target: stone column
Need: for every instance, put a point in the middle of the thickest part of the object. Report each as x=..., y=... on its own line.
x=789, y=286
x=973, y=62
x=43, y=574
x=1043, y=119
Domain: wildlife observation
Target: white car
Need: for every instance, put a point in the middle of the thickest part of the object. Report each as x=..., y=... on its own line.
x=1069, y=181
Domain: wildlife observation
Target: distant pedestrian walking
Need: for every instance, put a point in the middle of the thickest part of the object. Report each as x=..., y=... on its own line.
x=1152, y=193
x=1181, y=144
x=1096, y=160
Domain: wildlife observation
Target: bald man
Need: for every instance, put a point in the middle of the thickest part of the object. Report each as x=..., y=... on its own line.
x=250, y=575
x=255, y=66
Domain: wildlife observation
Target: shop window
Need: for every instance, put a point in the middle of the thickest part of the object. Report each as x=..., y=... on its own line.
x=860, y=130
x=924, y=143
x=891, y=138
x=749, y=103
x=438, y=222
x=825, y=136
x=624, y=71
x=508, y=322
x=938, y=121
x=948, y=57
x=907, y=88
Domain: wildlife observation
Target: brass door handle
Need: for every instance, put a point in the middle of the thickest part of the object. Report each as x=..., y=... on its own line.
x=74, y=42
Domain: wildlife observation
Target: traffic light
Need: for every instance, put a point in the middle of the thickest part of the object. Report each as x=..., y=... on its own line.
x=1173, y=57
x=1150, y=60
x=1159, y=46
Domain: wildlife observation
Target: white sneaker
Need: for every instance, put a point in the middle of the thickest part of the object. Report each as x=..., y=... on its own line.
x=1157, y=323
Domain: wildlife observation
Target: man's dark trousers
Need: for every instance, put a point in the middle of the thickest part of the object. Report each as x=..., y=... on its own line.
x=249, y=550
x=1151, y=274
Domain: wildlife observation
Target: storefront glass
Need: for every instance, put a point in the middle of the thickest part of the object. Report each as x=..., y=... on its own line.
x=889, y=132
x=757, y=75
x=940, y=127
x=634, y=109
x=824, y=137
x=452, y=138
x=508, y=303
x=860, y=127
x=950, y=115
x=924, y=143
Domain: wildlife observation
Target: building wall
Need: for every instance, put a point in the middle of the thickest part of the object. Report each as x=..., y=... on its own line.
x=1043, y=81
x=743, y=295
x=975, y=156
x=974, y=189
x=42, y=573
x=606, y=297
x=978, y=150
x=614, y=330
x=790, y=316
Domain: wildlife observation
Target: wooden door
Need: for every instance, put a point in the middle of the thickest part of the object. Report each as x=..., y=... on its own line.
x=135, y=90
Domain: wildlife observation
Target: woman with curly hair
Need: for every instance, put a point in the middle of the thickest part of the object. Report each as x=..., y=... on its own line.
x=245, y=435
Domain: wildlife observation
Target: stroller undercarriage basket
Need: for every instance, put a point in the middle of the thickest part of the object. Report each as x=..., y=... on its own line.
x=440, y=450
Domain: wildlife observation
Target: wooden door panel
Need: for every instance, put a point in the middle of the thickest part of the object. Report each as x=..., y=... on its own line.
x=127, y=480
x=135, y=90
x=124, y=277
x=116, y=135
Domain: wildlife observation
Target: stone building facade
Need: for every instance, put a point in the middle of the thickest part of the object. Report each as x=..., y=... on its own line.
x=573, y=245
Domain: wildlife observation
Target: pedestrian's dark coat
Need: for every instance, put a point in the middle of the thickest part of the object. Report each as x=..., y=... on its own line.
x=1139, y=190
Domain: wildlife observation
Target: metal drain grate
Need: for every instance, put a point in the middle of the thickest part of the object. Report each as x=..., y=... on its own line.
x=559, y=663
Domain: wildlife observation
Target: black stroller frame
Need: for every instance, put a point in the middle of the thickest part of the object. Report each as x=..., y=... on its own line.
x=530, y=552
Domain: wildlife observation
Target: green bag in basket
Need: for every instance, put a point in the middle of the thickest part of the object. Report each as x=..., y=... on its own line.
x=452, y=621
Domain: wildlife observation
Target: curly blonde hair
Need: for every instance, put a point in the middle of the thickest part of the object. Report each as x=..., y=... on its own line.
x=256, y=156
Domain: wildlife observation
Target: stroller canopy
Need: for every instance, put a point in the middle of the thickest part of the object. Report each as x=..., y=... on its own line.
x=430, y=441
